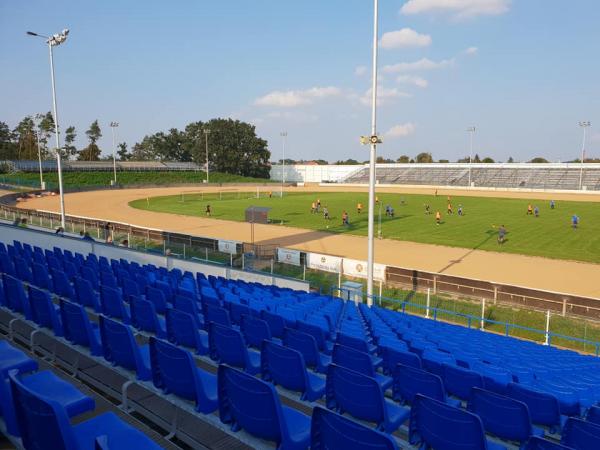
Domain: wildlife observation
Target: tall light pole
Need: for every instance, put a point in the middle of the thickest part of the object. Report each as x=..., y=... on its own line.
x=53, y=41
x=113, y=126
x=206, y=132
x=373, y=140
x=283, y=135
x=471, y=131
x=583, y=125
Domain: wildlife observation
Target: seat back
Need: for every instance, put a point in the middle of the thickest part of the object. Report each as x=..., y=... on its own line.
x=157, y=297
x=41, y=277
x=409, y=381
x=227, y=345
x=276, y=323
x=593, y=415
x=393, y=356
x=458, y=381
x=173, y=369
x=538, y=443
x=14, y=294
x=503, y=416
x=186, y=304
x=284, y=366
x=237, y=311
x=580, y=435
x=217, y=315
x=112, y=303
x=42, y=422
x=331, y=430
x=249, y=403
x=353, y=359
x=182, y=328
x=543, y=407
x=119, y=346
x=143, y=315
x=255, y=330
x=439, y=425
x=355, y=393
x=352, y=342
x=76, y=325
x=62, y=285
x=22, y=269
x=90, y=275
x=304, y=343
x=314, y=331
x=43, y=312
x=85, y=293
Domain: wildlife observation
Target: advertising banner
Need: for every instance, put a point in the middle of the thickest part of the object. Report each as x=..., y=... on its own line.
x=326, y=263
x=288, y=256
x=228, y=246
x=358, y=269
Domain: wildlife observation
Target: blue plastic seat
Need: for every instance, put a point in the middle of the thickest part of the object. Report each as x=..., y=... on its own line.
x=227, y=346
x=319, y=334
x=537, y=443
x=307, y=345
x=437, y=425
x=236, y=311
x=360, y=362
x=90, y=275
x=113, y=304
x=580, y=435
x=285, y=366
x=255, y=331
x=14, y=295
x=409, y=381
x=62, y=285
x=22, y=270
x=355, y=342
x=503, y=416
x=44, y=312
x=41, y=277
x=78, y=328
x=434, y=359
x=330, y=430
x=217, y=315
x=157, y=297
x=277, y=324
x=44, y=424
x=362, y=397
x=543, y=407
x=174, y=371
x=120, y=348
x=86, y=295
x=394, y=356
x=183, y=329
x=247, y=403
x=458, y=381
x=144, y=317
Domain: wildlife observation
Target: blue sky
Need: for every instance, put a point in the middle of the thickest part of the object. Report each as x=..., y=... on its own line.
x=524, y=72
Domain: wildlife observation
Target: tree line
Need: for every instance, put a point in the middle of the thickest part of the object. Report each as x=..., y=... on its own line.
x=233, y=146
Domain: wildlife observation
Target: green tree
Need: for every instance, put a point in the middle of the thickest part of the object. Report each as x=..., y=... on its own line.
x=45, y=130
x=92, y=151
x=26, y=140
x=539, y=159
x=123, y=153
x=403, y=159
x=69, y=149
x=487, y=160
x=463, y=160
x=476, y=159
x=322, y=162
x=348, y=162
x=424, y=158
x=443, y=161
x=510, y=160
x=8, y=149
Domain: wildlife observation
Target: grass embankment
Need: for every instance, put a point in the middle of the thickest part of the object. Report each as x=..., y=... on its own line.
x=87, y=179
x=549, y=235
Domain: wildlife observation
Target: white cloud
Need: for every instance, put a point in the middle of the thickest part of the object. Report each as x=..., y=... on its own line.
x=414, y=80
x=291, y=99
x=417, y=66
x=471, y=51
x=360, y=71
x=384, y=95
x=406, y=37
x=401, y=130
x=459, y=9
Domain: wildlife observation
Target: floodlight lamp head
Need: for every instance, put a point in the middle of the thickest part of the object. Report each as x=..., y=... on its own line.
x=65, y=32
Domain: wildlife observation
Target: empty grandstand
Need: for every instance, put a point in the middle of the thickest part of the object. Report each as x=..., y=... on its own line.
x=96, y=166
x=563, y=176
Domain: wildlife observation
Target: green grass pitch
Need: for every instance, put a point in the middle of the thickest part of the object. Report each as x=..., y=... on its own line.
x=549, y=235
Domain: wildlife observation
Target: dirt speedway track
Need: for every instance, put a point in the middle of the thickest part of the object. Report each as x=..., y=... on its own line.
x=540, y=273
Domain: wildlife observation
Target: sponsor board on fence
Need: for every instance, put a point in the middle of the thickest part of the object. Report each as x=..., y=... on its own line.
x=326, y=263
x=228, y=246
x=288, y=256
x=358, y=269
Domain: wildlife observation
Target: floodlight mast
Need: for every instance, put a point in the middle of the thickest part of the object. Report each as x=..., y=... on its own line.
x=585, y=124
x=373, y=140
x=53, y=41
x=471, y=131
x=113, y=126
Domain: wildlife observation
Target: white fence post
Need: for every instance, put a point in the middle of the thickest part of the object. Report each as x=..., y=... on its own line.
x=428, y=302
x=243, y=261
x=380, y=291
x=271, y=266
x=547, y=341
x=304, y=272
x=482, y=314
x=231, y=260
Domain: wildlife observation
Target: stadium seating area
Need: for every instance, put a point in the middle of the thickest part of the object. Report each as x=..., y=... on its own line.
x=505, y=176
x=365, y=377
